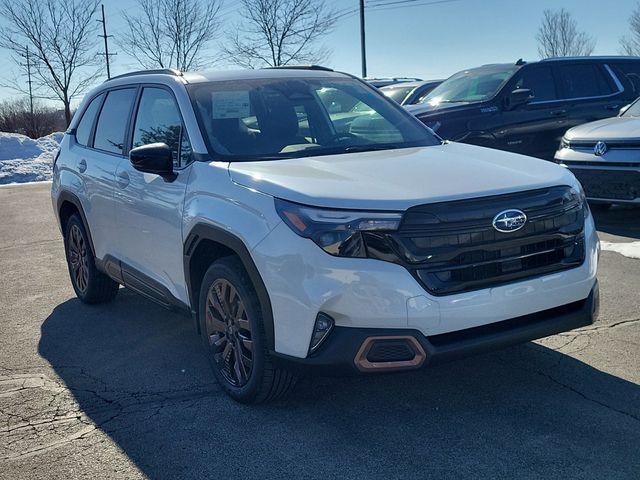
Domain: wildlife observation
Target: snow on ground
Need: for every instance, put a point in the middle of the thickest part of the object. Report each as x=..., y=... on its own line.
x=25, y=160
x=631, y=249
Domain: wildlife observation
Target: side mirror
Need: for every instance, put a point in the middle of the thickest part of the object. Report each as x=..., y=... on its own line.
x=153, y=158
x=623, y=110
x=520, y=96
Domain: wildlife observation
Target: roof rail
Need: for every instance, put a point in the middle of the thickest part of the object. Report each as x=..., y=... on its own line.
x=300, y=67
x=161, y=71
x=592, y=57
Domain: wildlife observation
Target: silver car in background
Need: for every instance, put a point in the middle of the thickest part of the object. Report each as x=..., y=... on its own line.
x=605, y=157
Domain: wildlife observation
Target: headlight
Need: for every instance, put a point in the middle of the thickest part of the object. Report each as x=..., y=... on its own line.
x=338, y=232
x=564, y=143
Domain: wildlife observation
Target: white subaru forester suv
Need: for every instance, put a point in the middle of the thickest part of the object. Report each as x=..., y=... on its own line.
x=307, y=223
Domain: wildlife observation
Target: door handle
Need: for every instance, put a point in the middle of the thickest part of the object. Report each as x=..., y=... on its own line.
x=82, y=165
x=557, y=113
x=122, y=179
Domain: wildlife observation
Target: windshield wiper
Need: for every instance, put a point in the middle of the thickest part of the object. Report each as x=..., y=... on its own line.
x=369, y=148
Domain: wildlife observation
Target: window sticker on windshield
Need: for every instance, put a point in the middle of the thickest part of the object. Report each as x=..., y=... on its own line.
x=230, y=104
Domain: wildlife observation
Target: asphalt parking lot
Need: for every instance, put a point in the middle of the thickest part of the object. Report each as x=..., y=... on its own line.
x=124, y=391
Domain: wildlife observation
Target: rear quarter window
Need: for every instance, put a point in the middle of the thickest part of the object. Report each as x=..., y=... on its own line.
x=83, y=130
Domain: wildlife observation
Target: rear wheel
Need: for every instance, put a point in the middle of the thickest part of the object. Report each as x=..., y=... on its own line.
x=90, y=285
x=233, y=334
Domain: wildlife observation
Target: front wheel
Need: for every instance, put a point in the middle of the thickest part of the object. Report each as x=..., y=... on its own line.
x=233, y=334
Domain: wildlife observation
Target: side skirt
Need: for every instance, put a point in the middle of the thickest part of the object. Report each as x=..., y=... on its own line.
x=140, y=283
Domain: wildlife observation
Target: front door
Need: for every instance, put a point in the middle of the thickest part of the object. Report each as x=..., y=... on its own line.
x=535, y=128
x=149, y=207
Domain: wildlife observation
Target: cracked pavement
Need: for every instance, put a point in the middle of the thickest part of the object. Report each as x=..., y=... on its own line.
x=123, y=390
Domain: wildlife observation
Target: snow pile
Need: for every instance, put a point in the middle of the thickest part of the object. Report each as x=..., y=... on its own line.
x=631, y=250
x=25, y=160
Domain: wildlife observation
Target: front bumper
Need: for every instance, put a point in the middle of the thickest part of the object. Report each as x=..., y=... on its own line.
x=302, y=280
x=612, y=178
x=341, y=354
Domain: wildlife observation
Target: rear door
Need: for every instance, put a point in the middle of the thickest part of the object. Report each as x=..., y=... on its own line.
x=99, y=148
x=148, y=207
x=534, y=128
x=592, y=92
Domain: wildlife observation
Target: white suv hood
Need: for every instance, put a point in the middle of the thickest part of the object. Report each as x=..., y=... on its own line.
x=398, y=179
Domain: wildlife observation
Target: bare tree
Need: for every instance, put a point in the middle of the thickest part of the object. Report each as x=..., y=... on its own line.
x=631, y=44
x=171, y=33
x=280, y=32
x=60, y=35
x=558, y=36
x=16, y=117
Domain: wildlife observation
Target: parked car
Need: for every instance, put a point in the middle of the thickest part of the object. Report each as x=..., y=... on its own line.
x=527, y=107
x=383, y=82
x=299, y=241
x=603, y=155
x=409, y=93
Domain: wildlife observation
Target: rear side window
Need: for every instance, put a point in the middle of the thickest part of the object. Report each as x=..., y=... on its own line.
x=583, y=81
x=112, y=122
x=159, y=121
x=83, y=131
x=540, y=81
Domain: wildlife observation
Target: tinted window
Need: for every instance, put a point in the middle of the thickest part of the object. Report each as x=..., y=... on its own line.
x=301, y=117
x=112, y=123
x=540, y=81
x=83, y=131
x=399, y=94
x=583, y=80
x=159, y=121
x=631, y=70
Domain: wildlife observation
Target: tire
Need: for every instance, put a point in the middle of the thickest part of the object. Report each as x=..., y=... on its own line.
x=91, y=285
x=232, y=332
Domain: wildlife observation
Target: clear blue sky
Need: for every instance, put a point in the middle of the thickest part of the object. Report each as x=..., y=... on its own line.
x=434, y=41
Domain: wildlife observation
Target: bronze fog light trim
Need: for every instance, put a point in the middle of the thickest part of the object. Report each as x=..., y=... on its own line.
x=365, y=365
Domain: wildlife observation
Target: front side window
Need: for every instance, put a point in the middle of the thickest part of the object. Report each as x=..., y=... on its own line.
x=112, y=123
x=475, y=85
x=300, y=117
x=158, y=121
x=83, y=130
x=540, y=81
x=583, y=81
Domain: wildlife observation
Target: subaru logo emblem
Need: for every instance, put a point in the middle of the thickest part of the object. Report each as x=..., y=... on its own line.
x=600, y=149
x=509, y=221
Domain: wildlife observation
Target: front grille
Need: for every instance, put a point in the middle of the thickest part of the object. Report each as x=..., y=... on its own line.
x=609, y=184
x=452, y=247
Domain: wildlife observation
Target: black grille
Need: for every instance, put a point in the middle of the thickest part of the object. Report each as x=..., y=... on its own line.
x=609, y=184
x=390, y=351
x=452, y=247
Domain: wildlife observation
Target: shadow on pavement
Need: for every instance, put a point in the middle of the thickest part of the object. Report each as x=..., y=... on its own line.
x=528, y=412
x=620, y=220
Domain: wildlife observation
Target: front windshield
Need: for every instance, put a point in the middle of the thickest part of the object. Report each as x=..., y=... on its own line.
x=261, y=119
x=399, y=94
x=475, y=85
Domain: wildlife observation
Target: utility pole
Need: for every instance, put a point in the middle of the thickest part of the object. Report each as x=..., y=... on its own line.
x=363, y=46
x=106, y=42
x=29, y=82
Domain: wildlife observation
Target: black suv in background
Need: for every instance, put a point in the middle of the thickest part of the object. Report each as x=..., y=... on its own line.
x=527, y=107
